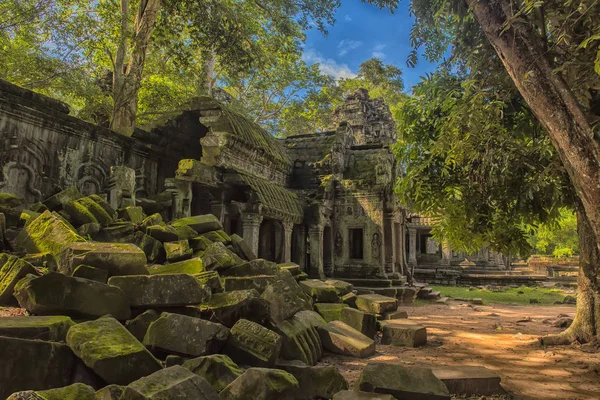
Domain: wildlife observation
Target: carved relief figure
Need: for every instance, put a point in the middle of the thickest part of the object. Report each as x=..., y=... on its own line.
x=376, y=247
x=338, y=244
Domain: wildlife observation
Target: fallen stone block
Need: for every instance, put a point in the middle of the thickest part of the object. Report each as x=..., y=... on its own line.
x=152, y=248
x=12, y=270
x=300, y=339
x=262, y=384
x=350, y=299
x=163, y=233
x=342, y=288
x=33, y=365
x=53, y=328
x=399, y=314
x=330, y=311
x=218, y=369
x=110, y=392
x=184, y=335
x=192, y=267
x=200, y=223
x=177, y=251
x=139, y=325
x=170, y=383
x=315, y=382
x=116, y=258
x=199, y=243
x=402, y=382
x=470, y=381
x=58, y=200
x=211, y=279
x=48, y=233
x=229, y=307
x=58, y=294
x=285, y=299
x=111, y=351
x=154, y=219
x=255, y=267
x=252, y=344
x=185, y=232
x=340, y=338
x=258, y=283
x=132, y=214
x=217, y=257
x=403, y=332
x=352, y=395
x=375, y=303
x=364, y=322
x=218, y=236
x=91, y=273
x=407, y=295
x=77, y=391
x=88, y=210
x=241, y=248
x=161, y=290
x=319, y=291
x=42, y=260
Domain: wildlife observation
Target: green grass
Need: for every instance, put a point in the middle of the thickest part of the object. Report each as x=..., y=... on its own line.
x=545, y=296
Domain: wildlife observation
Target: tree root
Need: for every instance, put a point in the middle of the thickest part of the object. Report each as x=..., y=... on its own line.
x=560, y=339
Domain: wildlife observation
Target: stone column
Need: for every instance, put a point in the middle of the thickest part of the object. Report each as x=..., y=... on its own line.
x=315, y=233
x=446, y=253
x=412, y=246
x=389, y=242
x=288, y=227
x=251, y=230
x=301, y=246
x=121, y=187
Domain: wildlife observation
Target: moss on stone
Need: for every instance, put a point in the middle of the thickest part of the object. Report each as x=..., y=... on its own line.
x=192, y=267
x=218, y=369
x=52, y=328
x=330, y=311
x=79, y=213
x=47, y=233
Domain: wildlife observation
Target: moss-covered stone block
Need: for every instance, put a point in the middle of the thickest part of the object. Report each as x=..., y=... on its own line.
x=53, y=328
x=154, y=219
x=154, y=250
x=217, y=257
x=364, y=322
x=77, y=391
x=256, y=267
x=319, y=291
x=57, y=201
x=92, y=273
x=185, y=232
x=117, y=232
x=217, y=236
x=90, y=229
x=193, y=337
x=218, y=369
x=12, y=270
x=403, y=332
x=300, y=339
x=241, y=248
x=132, y=214
x=211, y=279
x=163, y=233
x=285, y=299
x=262, y=384
x=193, y=266
x=258, y=283
x=252, y=344
x=229, y=307
x=199, y=243
x=111, y=351
x=320, y=382
x=42, y=260
x=110, y=392
x=376, y=303
x=340, y=338
x=174, y=382
x=200, y=223
x=48, y=233
x=27, y=216
x=161, y=290
x=79, y=214
x=116, y=258
x=58, y=294
x=349, y=299
x=341, y=287
x=139, y=325
x=330, y=311
x=177, y=251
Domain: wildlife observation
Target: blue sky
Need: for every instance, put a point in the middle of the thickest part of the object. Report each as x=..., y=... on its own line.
x=363, y=31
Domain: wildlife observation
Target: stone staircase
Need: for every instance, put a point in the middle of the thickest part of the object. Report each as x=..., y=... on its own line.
x=395, y=287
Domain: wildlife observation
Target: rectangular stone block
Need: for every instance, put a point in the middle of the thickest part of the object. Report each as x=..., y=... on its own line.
x=362, y=321
x=52, y=328
x=319, y=291
x=12, y=270
x=469, y=380
x=48, y=233
x=340, y=338
x=116, y=258
x=330, y=311
x=252, y=344
x=403, y=332
x=375, y=303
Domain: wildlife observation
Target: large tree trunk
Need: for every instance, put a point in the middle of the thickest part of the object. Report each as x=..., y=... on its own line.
x=521, y=50
x=209, y=64
x=127, y=85
x=586, y=325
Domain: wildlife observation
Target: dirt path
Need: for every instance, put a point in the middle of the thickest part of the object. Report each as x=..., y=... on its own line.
x=491, y=336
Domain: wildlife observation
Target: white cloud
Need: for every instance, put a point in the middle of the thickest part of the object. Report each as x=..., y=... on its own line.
x=348, y=18
x=377, y=51
x=347, y=45
x=328, y=66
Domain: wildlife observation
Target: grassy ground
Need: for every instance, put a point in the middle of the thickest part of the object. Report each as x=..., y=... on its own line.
x=518, y=296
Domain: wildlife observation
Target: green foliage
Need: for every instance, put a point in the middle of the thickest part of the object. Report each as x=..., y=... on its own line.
x=520, y=296
x=559, y=238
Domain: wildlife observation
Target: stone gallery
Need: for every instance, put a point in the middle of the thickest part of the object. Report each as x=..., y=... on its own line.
x=177, y=263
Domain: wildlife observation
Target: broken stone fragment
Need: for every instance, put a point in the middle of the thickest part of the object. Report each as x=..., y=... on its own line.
x=184, y=232
x=48, y=233
x=53, y=328
x=218, y=369
x=27, y=216
x=154, y=219
x=91, y=273
x=111, y=351
x=319, y=291
x=118, y=232
x=57, y=201
x=90, y=229
x=229, y=307
x=258, y=283
x=218, y=257
x=401, y=382
x=177, y=251
x=469, y=380
x=262, y=384
x=285, y=299
x=58, y=294
x=252, y=344
x=399, y=314
x=256, y=267
x=160, y=290
x=170, y=383
x=193, y=266
x=12, y=270
x=132, y=214
x=210, y=279
x=315, y=382
x=77, y=391
x=42, y=260
x=300, y=339
x=341, y=287
x=110, y=392
x=340, y=338
x=163, y=233
x=139, y=325
x=330, y=311
x=352, y=395
x=200, y=223
x=33, y=365
x=86, y=210
x=364, y=322
x=199, y=243
x=376, y=303
x=241, y=248
x=116, y=258
x=154, y=250
x=188, y=336
x=403, y=332
x=350, y=299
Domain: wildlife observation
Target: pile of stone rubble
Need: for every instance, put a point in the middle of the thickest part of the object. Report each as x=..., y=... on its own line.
x=125, y=306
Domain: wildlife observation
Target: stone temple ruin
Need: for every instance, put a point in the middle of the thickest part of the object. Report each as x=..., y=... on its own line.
x=184, y=256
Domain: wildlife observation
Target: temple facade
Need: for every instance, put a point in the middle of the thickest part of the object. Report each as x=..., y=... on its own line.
x=322, y=200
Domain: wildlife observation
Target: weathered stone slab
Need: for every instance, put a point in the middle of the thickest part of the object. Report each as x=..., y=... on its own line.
x=12, y=270
x=350, y=299
x=258, y=283
x=58, y=294
x=177, y=251
x=33, y=365
x=185, y=232
x=77, y=391
x=132, y=214
x=211, y=279
x=375, y=303
x=111, y=351
x=217, y=257
x=315, y=382
x=192, y=267
x=469, y=380
x=300, y=339
x=139, y=325
x=199, y=243
x=352, y=395
x=42, y=260
x=399, y=314
x=319, y=291
x=403, y=332
x=241, y=248
x=116, y=258
x=154, y=219
x=117, y=232
x=253, y=344
x=200, y=223
x=341, y=287
x=229, y=307
x=88, y=210
x=255, y=267
x=161, y=290
x=262, y=384
x=285, y=299
x=170, y=383
x=48, y=233
x=330, y=311
x=364, y=322
x=184, y=335
x=218, y=369
x=340, y=338
x=411, y=383
x=218, y=236
x=53, y=328
x=154, y=250
x=91, y=273
x=57, y=201
x=110, y=392
x=163, y=233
